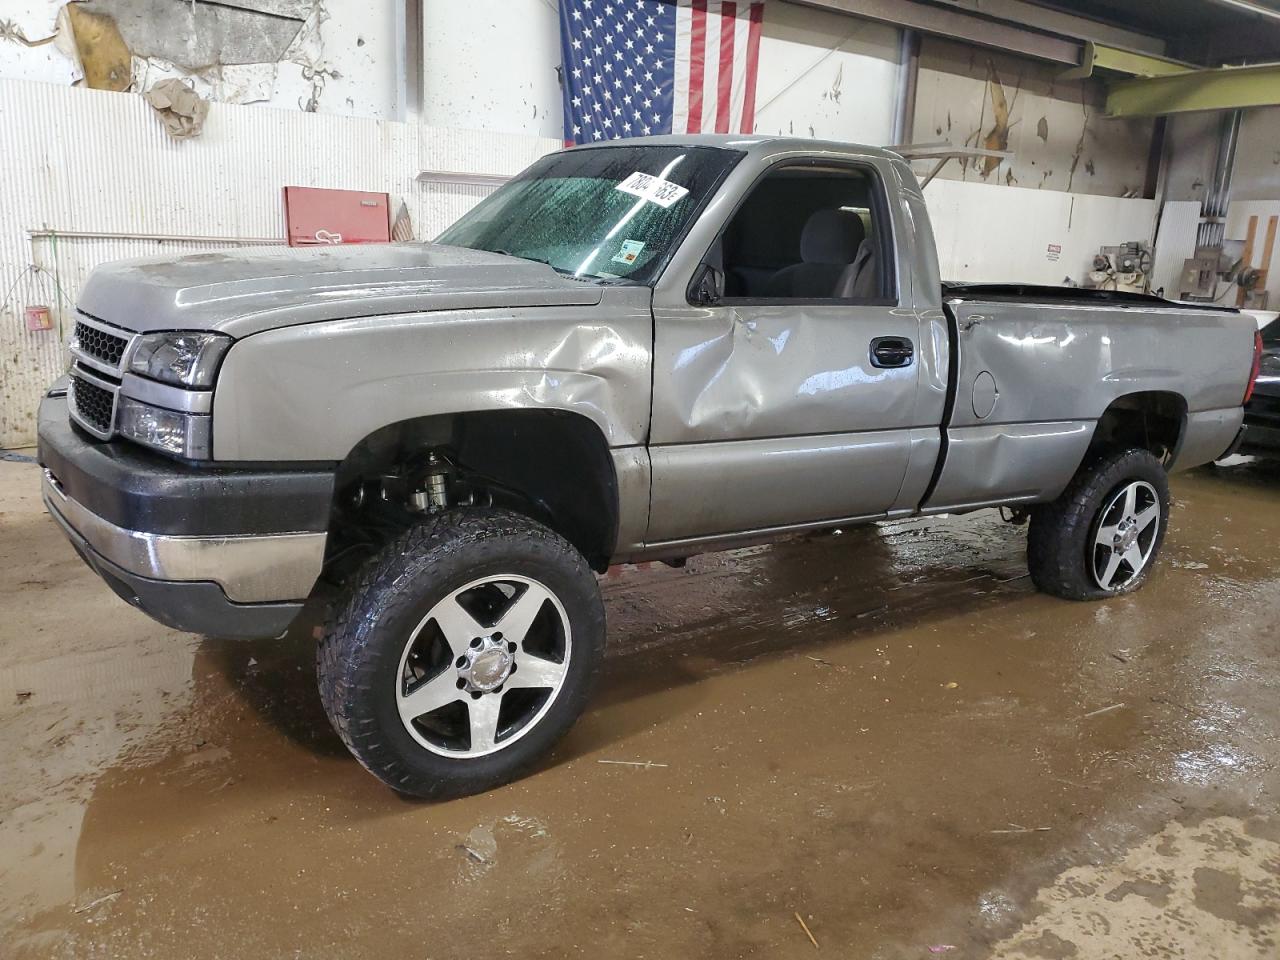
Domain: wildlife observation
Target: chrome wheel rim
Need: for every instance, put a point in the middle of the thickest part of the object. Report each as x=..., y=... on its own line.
x=1126, y=535
x=484, y=666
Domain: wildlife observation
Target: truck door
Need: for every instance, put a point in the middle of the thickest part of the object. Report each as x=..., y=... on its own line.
x=785, y=377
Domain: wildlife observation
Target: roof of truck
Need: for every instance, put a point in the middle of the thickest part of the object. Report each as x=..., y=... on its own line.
x=749, y=143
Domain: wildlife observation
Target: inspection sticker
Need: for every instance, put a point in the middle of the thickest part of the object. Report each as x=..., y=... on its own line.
x=629, y=252
x=648, y=187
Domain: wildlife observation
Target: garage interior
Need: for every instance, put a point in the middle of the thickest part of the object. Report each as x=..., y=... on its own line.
x=871, y=741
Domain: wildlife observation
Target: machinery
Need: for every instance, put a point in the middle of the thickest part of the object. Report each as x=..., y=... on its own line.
x=1209, y=275
x=1126, y=267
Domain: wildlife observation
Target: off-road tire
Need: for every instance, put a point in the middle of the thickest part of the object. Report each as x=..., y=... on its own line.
x=1061, y=535
x=358, y=661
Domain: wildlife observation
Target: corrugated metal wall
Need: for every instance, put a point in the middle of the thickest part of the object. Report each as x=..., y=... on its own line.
x=87, y=177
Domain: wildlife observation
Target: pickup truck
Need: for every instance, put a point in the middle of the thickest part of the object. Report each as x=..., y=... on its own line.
x=639, y=350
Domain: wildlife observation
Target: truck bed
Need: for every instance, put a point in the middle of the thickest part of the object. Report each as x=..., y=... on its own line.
x=1033, y=369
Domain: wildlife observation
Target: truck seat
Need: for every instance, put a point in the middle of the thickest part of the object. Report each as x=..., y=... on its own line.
x=838, y=261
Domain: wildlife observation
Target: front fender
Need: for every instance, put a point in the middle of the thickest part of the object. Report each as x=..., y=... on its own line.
x=312, y=392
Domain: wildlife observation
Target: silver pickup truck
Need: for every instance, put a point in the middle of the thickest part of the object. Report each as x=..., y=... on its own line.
x=632, y=351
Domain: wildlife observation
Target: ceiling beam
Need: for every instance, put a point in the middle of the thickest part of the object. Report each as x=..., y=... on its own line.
x=1052, y=20
x=1098, y=56
x=1249, y=7
x=959, y=25
x=1224, y=88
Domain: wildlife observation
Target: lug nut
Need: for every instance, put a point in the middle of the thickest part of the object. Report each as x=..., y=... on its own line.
x=475, y=644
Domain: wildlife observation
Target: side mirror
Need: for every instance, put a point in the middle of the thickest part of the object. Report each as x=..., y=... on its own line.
x=707, y=287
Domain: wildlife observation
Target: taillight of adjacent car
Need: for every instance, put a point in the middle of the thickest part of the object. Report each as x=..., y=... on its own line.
x=1257, y=365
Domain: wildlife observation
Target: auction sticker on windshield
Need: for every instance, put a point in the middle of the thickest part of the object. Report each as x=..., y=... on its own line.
x=629, y=252
x=648, y=187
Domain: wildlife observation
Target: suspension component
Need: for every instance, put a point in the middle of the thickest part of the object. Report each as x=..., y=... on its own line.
x=434, y=493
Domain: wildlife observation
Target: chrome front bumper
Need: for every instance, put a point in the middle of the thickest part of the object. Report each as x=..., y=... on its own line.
x=249, y=569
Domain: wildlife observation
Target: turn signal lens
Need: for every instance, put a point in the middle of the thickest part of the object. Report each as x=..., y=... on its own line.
x=1257, y=366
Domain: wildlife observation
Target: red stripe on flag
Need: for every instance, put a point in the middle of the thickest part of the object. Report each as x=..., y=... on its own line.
x=724, y=93
x=753, y=63
x=697, y=64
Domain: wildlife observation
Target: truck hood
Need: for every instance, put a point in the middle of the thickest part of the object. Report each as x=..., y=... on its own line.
x=247, y=291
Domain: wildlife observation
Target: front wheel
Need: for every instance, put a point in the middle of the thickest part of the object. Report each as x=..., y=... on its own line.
x=1100, y=538
x=462, y=653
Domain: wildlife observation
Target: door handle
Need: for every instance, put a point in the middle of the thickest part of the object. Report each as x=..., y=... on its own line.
x=892, y=352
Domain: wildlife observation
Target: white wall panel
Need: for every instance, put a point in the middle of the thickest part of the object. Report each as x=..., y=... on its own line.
x=988, y=233
x=1175, y=243
x=491, y=65
x=825, y=75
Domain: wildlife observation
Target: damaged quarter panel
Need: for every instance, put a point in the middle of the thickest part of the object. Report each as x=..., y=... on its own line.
x=313, y=391
x=1034, y=378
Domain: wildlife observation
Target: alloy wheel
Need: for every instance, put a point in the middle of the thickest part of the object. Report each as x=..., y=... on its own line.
x=483, y=666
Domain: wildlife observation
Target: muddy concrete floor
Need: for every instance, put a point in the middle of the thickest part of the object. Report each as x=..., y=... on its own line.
x=885, y=733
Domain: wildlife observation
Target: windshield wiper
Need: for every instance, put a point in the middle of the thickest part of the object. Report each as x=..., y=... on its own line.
x=524, y=256
x=588, y=278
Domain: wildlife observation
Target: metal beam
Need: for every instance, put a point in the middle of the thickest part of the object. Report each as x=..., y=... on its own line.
x=958, y=25
x=1049, y=20
x=1247, y=6
x=1225, y=88
x=943, y=152
x=1098, y=56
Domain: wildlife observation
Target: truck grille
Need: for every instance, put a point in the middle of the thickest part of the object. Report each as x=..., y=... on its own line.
x=92, y=403
x=99, y=344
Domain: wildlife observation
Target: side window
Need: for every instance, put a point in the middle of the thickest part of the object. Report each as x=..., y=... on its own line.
x=809, y=233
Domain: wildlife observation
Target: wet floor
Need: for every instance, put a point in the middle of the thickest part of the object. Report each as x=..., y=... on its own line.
x=885, y=734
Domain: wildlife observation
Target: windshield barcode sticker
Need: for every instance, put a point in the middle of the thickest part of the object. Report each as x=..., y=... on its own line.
x=648, y=187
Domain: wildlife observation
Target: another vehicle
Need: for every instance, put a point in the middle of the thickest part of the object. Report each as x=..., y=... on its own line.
x=632, y=351
x=1262, y=409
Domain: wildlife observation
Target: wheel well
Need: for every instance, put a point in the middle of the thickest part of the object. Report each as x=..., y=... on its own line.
x=553, y=466
x=1152, y=420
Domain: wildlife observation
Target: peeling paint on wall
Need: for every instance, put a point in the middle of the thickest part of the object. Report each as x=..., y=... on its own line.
x=319, y=56
x=103, y=53
x=1055, y=129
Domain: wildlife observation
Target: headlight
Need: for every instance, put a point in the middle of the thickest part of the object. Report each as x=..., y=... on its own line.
x=186, y=435
x=184, y=359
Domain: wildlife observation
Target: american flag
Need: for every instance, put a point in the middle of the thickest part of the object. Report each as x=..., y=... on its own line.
x=638, y=67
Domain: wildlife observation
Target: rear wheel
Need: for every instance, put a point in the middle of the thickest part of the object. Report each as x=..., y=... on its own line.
x=465, y=650
x=1100, y=538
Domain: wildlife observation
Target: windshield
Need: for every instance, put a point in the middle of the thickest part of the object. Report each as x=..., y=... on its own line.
x=603, y=213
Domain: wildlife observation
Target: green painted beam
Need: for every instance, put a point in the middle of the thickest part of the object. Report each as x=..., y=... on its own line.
x=1224, y=88
x=1098, y=56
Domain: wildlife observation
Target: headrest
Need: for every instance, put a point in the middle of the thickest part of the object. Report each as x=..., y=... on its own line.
x=831, y=236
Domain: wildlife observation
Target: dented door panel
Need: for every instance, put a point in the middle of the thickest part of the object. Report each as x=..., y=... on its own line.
x=737, y=385
x=754, y=371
